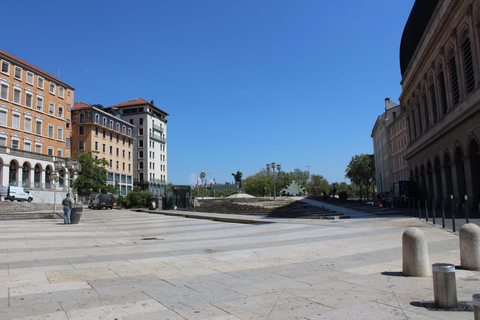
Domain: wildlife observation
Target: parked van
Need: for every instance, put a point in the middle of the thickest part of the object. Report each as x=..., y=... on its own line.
x=103, y=201
x=16, y=193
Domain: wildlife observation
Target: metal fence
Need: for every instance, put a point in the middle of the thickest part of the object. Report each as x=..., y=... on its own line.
x=451, y=214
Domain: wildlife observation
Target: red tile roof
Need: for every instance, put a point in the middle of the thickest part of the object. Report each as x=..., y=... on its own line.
x=78, y=105
x=137, y=102
x=31, y=66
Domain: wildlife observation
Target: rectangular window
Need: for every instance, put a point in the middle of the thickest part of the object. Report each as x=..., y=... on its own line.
x=116, y=165
x=16, y=121
x=29, y=77
x=96, y=145
x=123, y=166
x=52, y=88
x=38, y=148
x=111, y=150
x=67, y=125
x=18, y=73
x=140, y=131
x=38, y=127
x=103, y=148
x=140, y=154
x=81, y=118
x=5, y=67
x=61, y=92
x=103, y=134
x=140, y=121
x=68, y=106
x=140, y=165
x=118, y=152
x=111, y=136
x=50, y=131
x=123, y=153
x=129, y=167
x=39, y=103
x=81, y=145
x=16, y=95
x=28, y=124
x=50, y=151
x=67, y=142
x=96, y=131
x=15, y=144
x=40, y=82
x=60, y=111
x=59, y=152
x=129, y=155
x=3, y=118
x=81, y=130
x=28, y=99
x=140, y=143
x=59, y=133
x=51, y=108
x=27, y=146
x=4, y=93
x=111, y=163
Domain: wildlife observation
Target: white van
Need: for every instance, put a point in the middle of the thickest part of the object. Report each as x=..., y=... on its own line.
x=16, y=193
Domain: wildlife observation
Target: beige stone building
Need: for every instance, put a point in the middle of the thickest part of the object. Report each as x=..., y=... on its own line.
x=440, y=67
x=35, y=125
x=109, y=138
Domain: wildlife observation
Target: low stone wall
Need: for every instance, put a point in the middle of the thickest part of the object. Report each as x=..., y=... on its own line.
x=15, y=206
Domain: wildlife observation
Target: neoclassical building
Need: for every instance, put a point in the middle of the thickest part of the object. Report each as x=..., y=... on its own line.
x=35, y=125
x=440, y=67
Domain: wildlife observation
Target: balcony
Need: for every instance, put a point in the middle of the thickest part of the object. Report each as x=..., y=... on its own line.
x=158, y=128
x=157, y=137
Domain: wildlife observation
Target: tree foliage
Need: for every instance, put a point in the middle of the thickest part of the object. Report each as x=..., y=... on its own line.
x=93, y=177
x=360, y=171
x=136, y=199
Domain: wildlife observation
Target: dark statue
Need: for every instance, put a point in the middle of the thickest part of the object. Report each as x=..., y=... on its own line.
x=238, y=179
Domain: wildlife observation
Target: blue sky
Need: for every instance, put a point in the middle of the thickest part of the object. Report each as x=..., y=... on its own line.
x=245, y=82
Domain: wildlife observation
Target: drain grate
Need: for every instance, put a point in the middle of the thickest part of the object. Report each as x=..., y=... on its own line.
x=463, y=306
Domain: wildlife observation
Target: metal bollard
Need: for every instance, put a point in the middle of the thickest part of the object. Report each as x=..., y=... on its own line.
x=444, y=285
x=476, y=306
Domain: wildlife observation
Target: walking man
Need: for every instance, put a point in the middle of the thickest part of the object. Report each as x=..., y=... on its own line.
x=67, y=208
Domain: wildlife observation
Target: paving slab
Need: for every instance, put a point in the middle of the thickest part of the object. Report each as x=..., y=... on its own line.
x=120, y=264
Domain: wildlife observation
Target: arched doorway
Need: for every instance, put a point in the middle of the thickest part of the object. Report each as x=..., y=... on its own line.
x=48, y=174
x=474, y=156
x=438, y=178
x=430, y=194
x=37, y=184
x=460, y=170
x=448, y=175
x=26, y=175
x=12, y=175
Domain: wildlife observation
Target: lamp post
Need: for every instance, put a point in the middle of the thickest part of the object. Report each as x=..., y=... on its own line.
x=273, y=165
x=54, y=178
x=73, y=166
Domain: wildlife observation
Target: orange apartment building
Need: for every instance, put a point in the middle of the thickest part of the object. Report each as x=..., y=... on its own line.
x=110, y=136
x=35, y=125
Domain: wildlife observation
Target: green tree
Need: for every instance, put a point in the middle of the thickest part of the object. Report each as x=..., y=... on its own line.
x=93, y=177
x=360, y=172
x=318, y=185
x=255, y=184
x=301, y=177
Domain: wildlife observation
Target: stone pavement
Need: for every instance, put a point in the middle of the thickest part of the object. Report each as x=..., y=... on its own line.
x=119, y=264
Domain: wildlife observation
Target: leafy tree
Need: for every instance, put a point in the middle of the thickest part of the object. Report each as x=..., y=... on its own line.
x=360, y=172
x=136, y=199
x=301, y=177
x=318, y=185
x=93, y=177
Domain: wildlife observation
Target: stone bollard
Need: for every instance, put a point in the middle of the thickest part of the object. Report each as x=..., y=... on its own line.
x=476, y=306
x=444, y=285
x=415, y=253
x=470, y=246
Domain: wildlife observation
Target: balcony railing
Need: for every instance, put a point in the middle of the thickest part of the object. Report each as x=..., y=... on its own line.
x=158, y=138
x=157, y=128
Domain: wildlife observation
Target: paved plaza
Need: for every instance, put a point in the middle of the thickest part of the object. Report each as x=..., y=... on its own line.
x=120, y=264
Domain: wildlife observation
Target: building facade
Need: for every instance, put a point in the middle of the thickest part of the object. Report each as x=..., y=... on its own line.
x=150, y=149
x=109, y=138
x=440, y=67
x=35, y=125
x=389, y=144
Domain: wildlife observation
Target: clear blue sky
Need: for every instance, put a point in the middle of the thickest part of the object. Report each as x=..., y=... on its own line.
x=246, y=82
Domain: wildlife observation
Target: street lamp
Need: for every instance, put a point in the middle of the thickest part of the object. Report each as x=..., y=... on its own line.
x=74, y=167
x=273, y=165
x=54, y=178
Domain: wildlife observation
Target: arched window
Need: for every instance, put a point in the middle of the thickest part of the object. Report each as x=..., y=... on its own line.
x=452, y=64
x=426, y=112
x=467, y=62
x=433, y=99
x=419, y=114
x=414, y=123
x=443, y=90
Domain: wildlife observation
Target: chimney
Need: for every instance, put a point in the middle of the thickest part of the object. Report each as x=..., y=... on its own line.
x=151, y=102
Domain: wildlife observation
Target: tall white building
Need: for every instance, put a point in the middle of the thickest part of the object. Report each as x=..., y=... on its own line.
x=150, y=149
